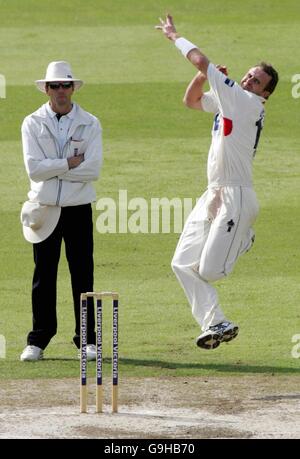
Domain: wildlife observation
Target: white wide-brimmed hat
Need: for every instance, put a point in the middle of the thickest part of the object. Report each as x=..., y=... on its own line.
x=38, y=221
x=58, y=71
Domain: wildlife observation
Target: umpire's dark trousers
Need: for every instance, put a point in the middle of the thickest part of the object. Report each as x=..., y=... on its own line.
x=75, y=227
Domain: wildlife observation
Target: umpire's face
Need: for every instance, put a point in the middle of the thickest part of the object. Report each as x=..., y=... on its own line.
x=60, y=93
x=255, y=80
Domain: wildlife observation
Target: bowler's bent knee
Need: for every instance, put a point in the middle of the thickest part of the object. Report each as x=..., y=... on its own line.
x=210, y=274
x=181, y=269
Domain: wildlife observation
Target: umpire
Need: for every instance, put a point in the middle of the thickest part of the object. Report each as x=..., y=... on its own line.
x=62, y=147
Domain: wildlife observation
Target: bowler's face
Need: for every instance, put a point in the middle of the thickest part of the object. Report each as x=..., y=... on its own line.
x=255, y=80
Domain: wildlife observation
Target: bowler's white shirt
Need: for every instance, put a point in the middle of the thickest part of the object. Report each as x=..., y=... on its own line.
x=239, y=116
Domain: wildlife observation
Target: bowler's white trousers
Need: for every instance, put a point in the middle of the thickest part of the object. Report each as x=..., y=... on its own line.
x=209, y=247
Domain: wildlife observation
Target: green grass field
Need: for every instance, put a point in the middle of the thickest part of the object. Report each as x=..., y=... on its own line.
x=155, y=147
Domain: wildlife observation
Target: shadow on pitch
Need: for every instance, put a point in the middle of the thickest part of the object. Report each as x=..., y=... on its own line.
x=227, y=368
x=168, y=365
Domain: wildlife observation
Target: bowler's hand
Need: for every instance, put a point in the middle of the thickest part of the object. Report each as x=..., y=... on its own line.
x=222, y=69
x=168, y=28
x=75, y=161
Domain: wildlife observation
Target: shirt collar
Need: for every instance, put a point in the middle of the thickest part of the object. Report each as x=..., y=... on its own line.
x=255, y=96
x=52, y=114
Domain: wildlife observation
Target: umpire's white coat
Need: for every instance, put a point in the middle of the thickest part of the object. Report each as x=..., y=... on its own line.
x=218, y=229
x=51, y=180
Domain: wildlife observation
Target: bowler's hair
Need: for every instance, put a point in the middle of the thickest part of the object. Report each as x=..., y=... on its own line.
x=269, y=70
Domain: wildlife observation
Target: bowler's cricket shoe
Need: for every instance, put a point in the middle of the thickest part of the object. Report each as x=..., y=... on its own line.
x=217, y=334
